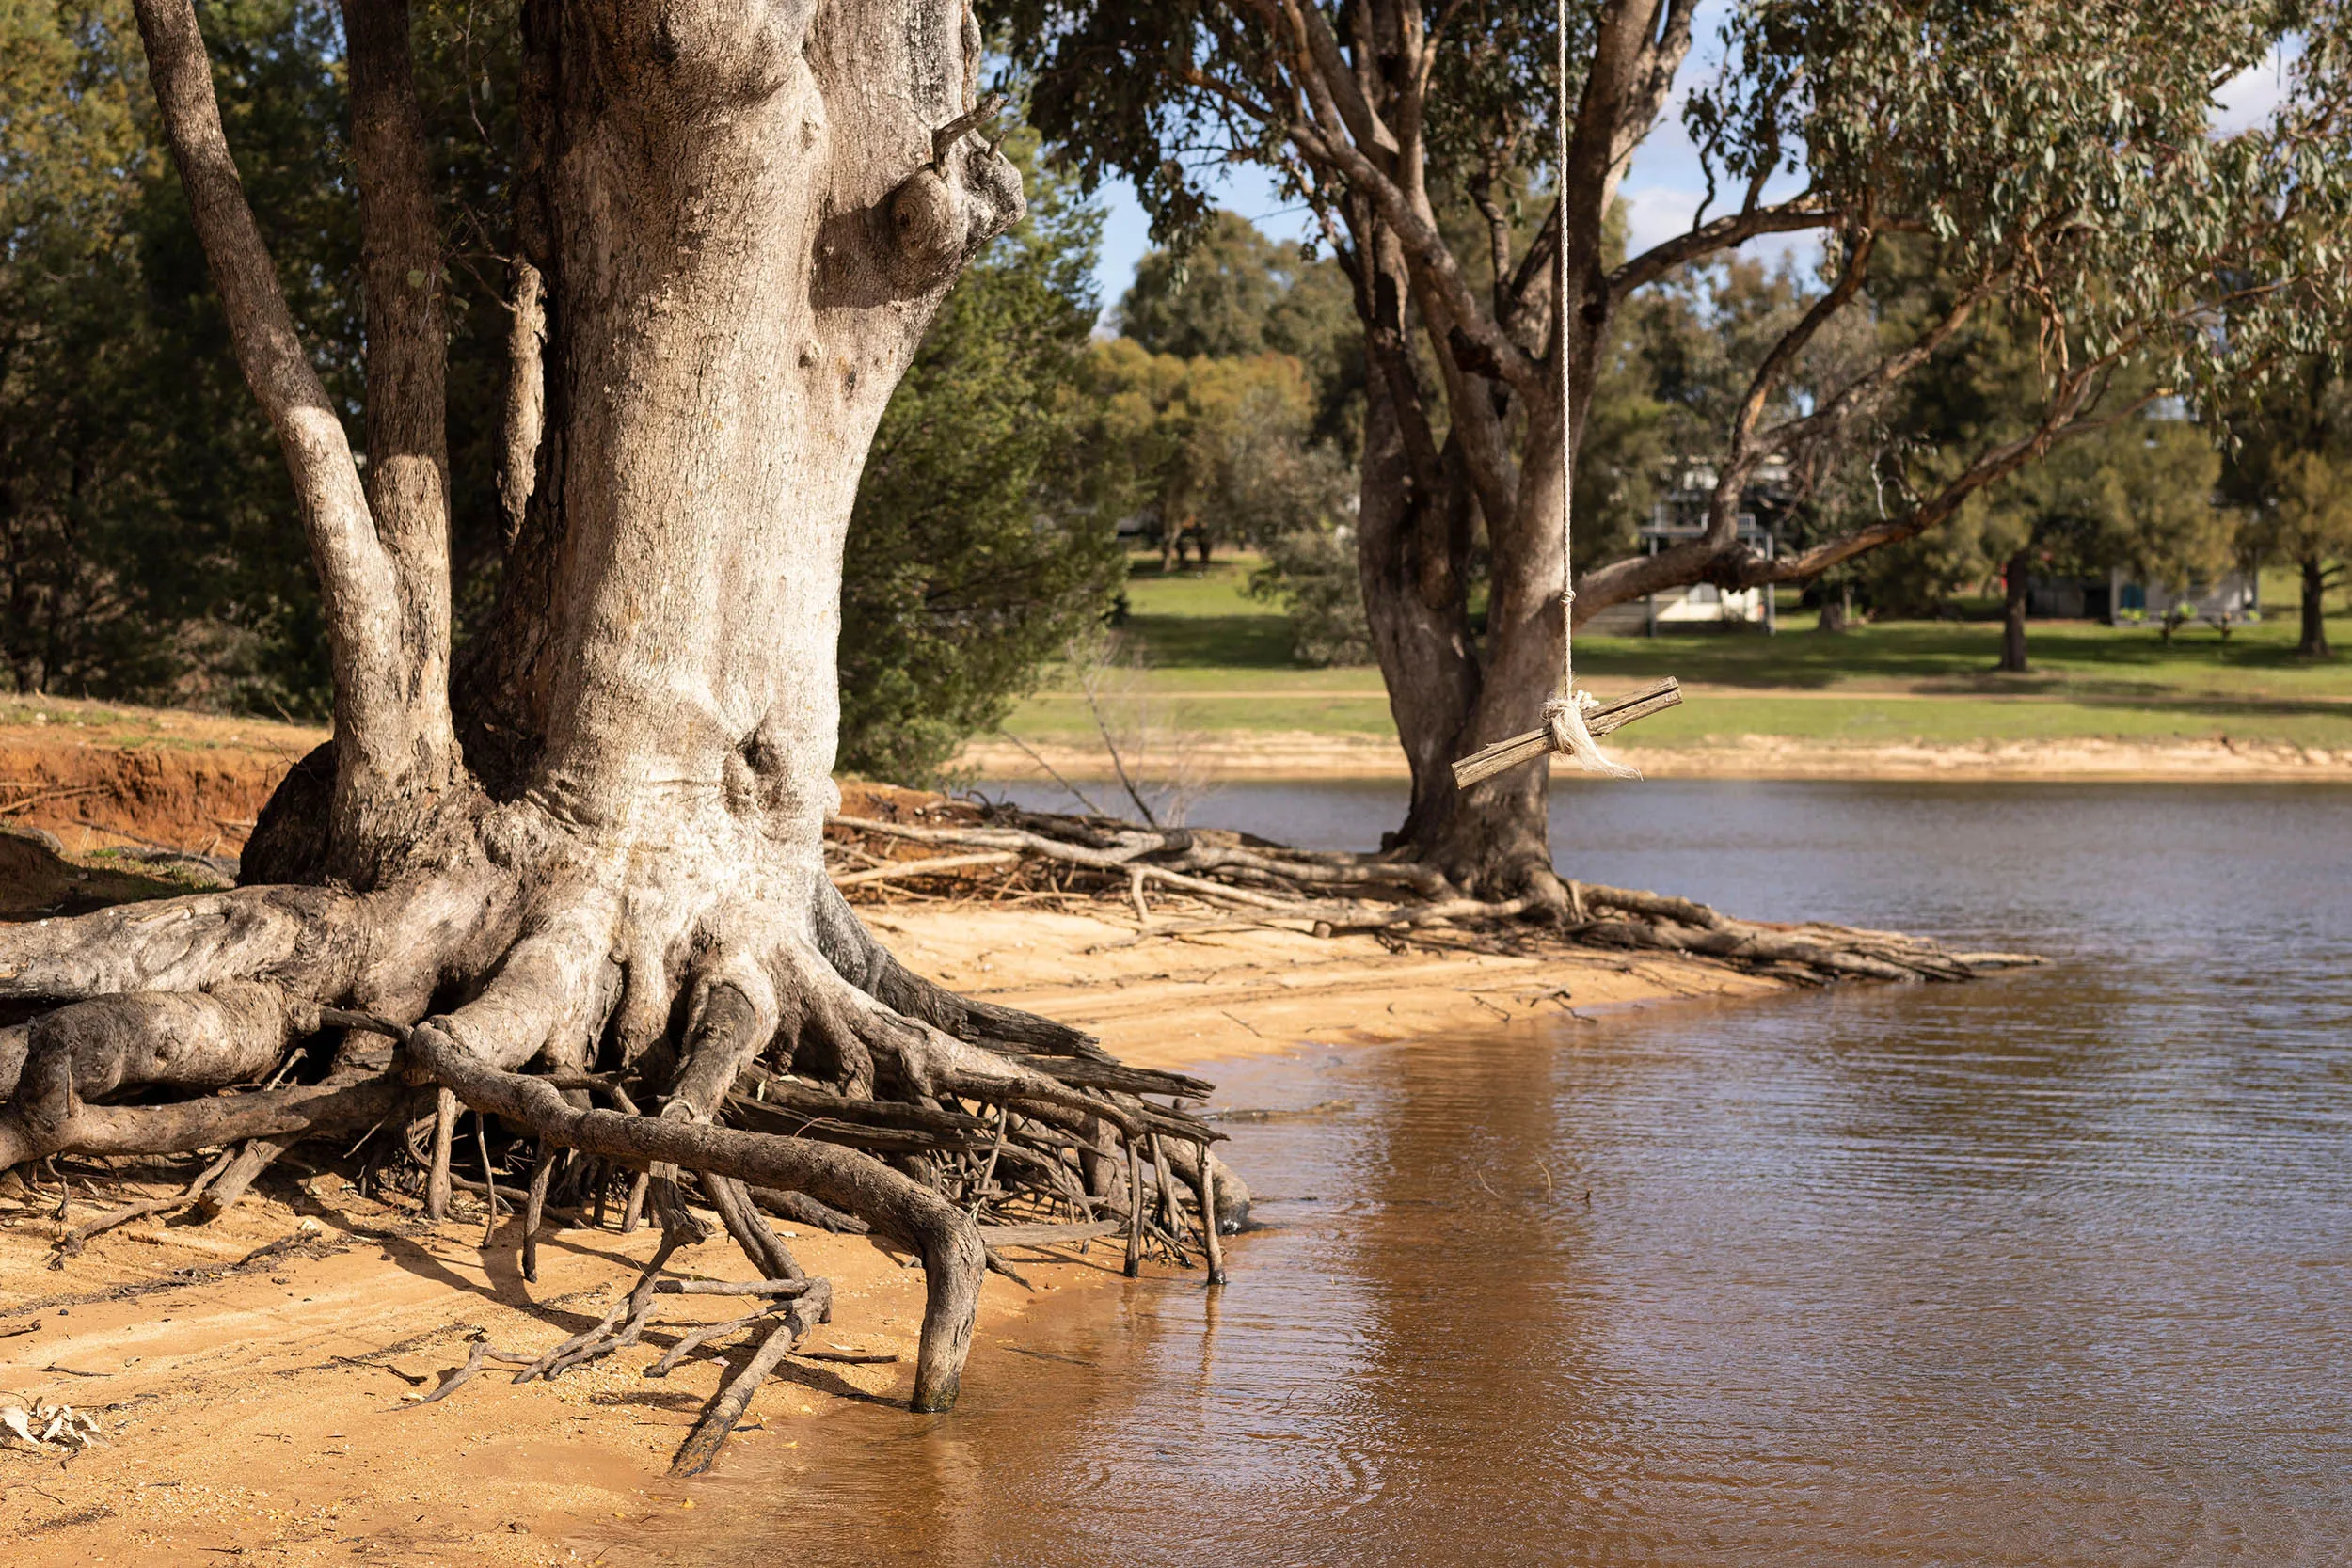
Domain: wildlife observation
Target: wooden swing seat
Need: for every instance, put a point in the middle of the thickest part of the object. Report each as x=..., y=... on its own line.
x=1504, y=755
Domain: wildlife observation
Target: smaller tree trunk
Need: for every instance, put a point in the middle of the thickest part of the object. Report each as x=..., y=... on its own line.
x=2013, y=613
x=1838, y=613
x=2314, y=644
x=1411, y=548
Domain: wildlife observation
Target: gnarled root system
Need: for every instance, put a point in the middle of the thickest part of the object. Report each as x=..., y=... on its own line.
x=652, y=1018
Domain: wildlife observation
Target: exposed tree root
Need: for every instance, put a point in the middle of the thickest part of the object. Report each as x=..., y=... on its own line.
x=581, y=874
x=627, y=1030
x=682, y=1037
x=1252, y=882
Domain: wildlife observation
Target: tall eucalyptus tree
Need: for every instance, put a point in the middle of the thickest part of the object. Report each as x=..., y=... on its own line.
x=2060, y=156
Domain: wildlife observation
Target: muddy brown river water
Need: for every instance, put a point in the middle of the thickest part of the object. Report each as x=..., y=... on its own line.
x=2054, y=1268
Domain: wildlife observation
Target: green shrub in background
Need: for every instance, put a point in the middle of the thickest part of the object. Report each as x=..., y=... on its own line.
x=1311, y=574
x=984, y=535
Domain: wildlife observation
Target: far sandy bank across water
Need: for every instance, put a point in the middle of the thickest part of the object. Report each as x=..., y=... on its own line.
x=1304, y=756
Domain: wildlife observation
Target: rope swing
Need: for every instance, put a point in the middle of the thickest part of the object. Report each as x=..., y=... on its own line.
x=1572, y=718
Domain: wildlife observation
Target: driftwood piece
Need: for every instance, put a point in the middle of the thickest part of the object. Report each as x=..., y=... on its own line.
x=1213, y=1245
x=1049, y=1235
x=938, y=866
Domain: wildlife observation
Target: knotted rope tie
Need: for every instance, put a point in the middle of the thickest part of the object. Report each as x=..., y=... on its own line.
x=1564, y=715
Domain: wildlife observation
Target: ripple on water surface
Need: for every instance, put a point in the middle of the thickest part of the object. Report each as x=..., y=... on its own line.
x=2053, y=1269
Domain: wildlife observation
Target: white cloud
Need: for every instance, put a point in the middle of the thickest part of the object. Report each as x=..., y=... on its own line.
x=2254, y=94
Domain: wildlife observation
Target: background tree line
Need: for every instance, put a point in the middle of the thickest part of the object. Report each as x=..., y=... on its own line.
x=149, y=543
x=148, y=548
x=2181, y=495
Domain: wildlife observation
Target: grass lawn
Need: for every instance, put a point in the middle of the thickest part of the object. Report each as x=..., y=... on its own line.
x=1211, y=658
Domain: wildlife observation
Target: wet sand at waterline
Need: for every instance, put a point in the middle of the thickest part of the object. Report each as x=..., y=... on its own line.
x=267, y=1409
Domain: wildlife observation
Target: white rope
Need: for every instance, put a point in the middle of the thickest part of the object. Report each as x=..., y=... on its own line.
x=1564, y=715
x=1560, y=309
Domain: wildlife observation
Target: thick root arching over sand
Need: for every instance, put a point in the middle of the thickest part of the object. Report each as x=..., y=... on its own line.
x=688, y=1015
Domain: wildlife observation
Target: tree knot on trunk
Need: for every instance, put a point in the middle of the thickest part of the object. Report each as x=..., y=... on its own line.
x=942, y=213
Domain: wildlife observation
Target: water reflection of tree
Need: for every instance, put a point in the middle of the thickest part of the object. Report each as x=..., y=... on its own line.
x=1483, y=1398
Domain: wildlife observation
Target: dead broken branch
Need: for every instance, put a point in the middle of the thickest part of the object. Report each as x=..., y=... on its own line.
x=1211, y=879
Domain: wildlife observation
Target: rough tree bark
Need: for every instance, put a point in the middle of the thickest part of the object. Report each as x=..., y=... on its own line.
x=737, y=220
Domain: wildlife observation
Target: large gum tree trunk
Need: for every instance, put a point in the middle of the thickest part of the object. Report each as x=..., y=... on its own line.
x=743, y=241
x=1498, y=842
x=1492, y=840
x=744, y=216
x=1412, y=538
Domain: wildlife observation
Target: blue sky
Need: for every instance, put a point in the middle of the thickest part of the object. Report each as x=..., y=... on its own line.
x=1661, y=190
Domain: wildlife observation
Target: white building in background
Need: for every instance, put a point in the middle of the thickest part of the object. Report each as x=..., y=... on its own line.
x=1680, y=516
x=2120, y=597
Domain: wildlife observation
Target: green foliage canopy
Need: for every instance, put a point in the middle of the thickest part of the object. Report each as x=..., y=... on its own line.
x=2057, y=160
x=1233, y=293
x=983, y=535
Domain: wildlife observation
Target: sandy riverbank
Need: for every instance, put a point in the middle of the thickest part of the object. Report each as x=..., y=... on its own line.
x=97, y=776
x=263, y=1409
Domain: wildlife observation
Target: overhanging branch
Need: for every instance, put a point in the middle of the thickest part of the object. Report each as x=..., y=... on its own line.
x=1732, y=565
x=1723, y=233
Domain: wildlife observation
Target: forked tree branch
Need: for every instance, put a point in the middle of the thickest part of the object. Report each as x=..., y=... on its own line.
x=1723, y=233
x=1356, y=110
x=1723, y=507
x=407, y=349
x=1865, y=391
x=358, y=589
x=1328, y=140
x=1735, y=566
